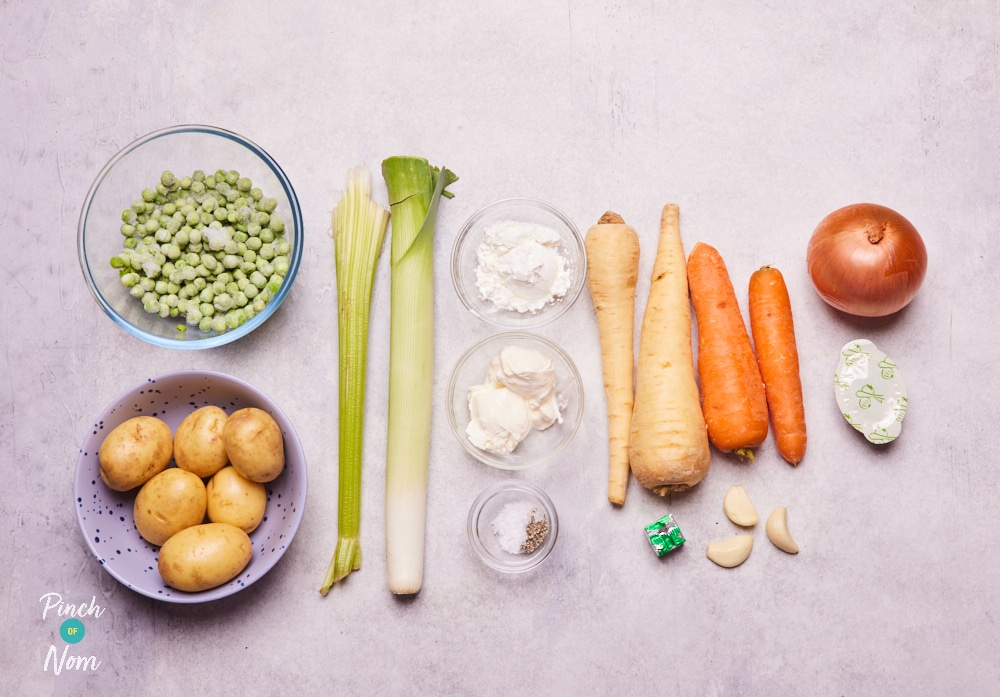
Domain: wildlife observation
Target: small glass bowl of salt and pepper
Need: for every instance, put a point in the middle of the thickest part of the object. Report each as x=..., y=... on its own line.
x=513, y=526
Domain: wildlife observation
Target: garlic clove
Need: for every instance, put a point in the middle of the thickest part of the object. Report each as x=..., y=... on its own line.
x=738, y=506
x=777, y=531
x=731, y=552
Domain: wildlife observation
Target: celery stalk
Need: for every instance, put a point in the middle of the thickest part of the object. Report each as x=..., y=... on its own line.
x=359, y=226
x=415, y=188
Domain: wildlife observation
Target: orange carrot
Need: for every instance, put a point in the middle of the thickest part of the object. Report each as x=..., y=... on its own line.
x=732, y=392
x=778, y=358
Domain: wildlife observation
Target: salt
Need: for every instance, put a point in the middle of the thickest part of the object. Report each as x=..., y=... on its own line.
x=511, y=526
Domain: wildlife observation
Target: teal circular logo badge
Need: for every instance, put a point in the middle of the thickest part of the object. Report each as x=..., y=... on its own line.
x=72, y=630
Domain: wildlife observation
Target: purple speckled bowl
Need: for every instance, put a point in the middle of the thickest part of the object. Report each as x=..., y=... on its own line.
x=105, y=516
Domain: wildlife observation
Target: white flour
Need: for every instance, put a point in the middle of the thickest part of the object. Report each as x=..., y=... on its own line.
x=520, y=267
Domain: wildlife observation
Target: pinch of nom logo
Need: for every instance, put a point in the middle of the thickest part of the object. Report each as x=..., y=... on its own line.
x=71, y=631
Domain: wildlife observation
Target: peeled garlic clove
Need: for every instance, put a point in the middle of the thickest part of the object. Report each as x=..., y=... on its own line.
x=777, y=531
x=731, y=552
x=738, y=506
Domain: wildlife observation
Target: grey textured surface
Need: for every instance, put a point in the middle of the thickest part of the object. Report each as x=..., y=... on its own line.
x=757, y=118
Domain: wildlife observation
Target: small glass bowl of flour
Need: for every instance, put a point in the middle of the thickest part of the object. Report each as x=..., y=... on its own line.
x=518, y=263
x=513, y=525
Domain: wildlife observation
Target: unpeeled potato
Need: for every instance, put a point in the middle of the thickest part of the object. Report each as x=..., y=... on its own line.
x=171, y=501
x=198, y=443
x=234, y=499
x=204, y=556
x=254, y=444
x=134, y=452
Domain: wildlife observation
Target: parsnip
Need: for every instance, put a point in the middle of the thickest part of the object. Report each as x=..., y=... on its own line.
x=668, y=447
x=612, y=272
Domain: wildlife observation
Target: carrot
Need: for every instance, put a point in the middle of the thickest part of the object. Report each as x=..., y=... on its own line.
x=732, y=391
x=668, y=447
x=612, y=272
x=778, y=358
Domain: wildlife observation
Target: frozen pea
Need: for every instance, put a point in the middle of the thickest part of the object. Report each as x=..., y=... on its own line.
x=254, y=244
x=262, y=218
x=246, y=267
x=167, y=179
x=267, y=204
x=209, y=204
x=277, y=224
x=235, y=319
x=148, y=195
x=239, y=298
x=207, y=309
x=281, y=266
x=253, y=229
x=219, y=323
x=231, y=261
x=152, y=225
x=250, y=290
x=266, y=251
x=207, y=294
x=210, y=181
x=223, y=302
x=282, y=247
x=136, y=291
x=258, y=279
x=205, y=324
x=198, y=188
x=127, y=230
x=250, y=256
x=186, y=182
x=244, y=184
x=169, y=208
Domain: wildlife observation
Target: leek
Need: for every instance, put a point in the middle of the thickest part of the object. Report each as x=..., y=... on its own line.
x=415, y=189
x=359, y=226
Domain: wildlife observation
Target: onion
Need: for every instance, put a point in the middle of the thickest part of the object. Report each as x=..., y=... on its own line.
x=866, y=260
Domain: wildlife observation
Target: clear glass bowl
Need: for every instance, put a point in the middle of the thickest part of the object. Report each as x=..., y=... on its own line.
x=488, y=506
x=538, y=446
x=464, y=261
x=105, y=516
x=182, y=150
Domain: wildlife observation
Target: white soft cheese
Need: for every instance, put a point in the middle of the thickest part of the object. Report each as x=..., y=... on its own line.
x=520, y=268
x=519, y=395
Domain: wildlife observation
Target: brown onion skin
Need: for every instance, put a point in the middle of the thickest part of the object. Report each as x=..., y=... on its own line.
x=866, y=260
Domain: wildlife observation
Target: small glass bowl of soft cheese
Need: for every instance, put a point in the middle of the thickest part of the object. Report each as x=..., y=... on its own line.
x=515, y=400
x=518, y=263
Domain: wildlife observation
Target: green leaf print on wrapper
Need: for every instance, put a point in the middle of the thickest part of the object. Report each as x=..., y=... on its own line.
x=869, y=388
